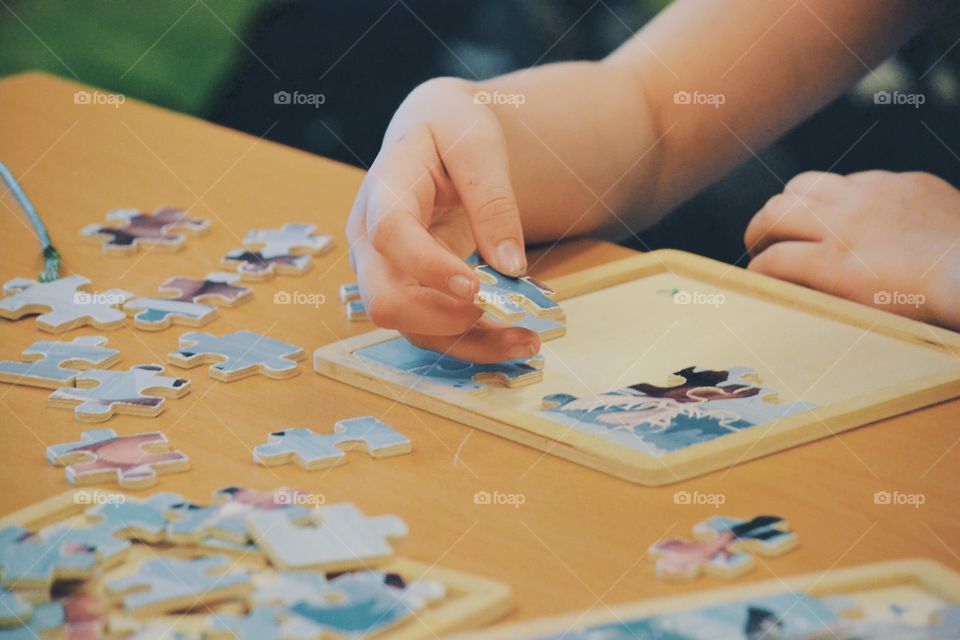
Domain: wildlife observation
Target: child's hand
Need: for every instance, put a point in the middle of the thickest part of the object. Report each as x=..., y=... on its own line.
x=891, y=240
x=439, y=188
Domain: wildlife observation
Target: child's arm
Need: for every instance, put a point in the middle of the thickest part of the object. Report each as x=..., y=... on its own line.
x=575, y=146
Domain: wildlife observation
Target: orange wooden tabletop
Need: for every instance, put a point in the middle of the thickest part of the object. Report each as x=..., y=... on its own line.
x=578, y=539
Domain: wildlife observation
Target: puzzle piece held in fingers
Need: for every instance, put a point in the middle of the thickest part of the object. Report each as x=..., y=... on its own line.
x=57, y=364
x=63, y=304
x=128, y=229
x=314, y=451
x=132, y=461
x=507, y=298
x=238, y=355
x=191, y=304
x=100, y=393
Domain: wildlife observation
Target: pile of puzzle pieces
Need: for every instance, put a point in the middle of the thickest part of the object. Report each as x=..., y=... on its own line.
x=247, y=565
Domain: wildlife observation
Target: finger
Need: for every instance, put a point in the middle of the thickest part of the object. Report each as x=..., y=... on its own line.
x=784, y=217
x=399, y=206
x=475, y=156
x=483, y=344
x=797, y=262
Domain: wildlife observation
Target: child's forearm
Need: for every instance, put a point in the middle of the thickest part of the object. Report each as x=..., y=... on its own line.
x=613, y=143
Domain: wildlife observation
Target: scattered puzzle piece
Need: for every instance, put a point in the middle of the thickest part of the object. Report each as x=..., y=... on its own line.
x=316, y=451
x=423, y=367
x=14, y=610
x=128, y=229
x=507, y=298
x=767, y=536
x=356, y=312
x=238, y=355
x=63, y=304
x=99, y=394
x=45, y=619
x=29, y=561
x=340, y=537
x=349, y=292
x=132, y=461
x=191, y=304
x=226, y=519
x=281, y=251
x=57, y=364
x=163, y=585
x=261, y=623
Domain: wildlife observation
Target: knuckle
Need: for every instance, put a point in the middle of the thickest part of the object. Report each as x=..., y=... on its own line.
x=382, y=312
x=497, y=208
x=383, y=233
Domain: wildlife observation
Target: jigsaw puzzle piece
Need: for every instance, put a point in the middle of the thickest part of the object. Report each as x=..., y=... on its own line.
x=191, y=304
x=261, y=623
x=545, y=328
x=507, y=298
x=349, y=292
x=685, y=560
x=63, y=304
x=45, y=620
x=143, y=520
x=163, y=585
x=314, y=451
x=226, y=518
x=424, y=367
x=128, y=229
x=99, y=394
x=14, y=610
x=286, y=588
x=356, y=311
x=29, y=561
x=57, y=364
x=238, y=355
x=767, y=536
x=132, y=461
x=340, y=537
x=217, y=288
x=290, y=238
x=255, y=266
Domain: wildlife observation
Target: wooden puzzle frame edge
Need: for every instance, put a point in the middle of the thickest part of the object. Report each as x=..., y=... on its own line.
x=335, y=361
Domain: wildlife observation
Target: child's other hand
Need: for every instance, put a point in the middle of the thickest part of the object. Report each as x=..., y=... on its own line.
x=439, y=188
x=891, y=240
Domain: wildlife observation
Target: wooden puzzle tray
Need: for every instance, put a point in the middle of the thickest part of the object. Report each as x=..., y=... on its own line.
x=765, y=365
x=899, y=599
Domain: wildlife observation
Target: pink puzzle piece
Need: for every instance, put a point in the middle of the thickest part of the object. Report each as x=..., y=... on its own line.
x=128, y=229
x=686, y=560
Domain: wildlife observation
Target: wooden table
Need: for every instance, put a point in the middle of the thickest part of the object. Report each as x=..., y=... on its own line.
x=576, y=542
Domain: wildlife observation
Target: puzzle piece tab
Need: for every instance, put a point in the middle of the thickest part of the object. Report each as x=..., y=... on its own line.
x=280, y=251
x=421, y=367
x=132, y=461
x=507, y=298
x=317, y=451
x=63, y=304
x=57, y=364
x=340, y=537
x=127, y=230
x=238, y=355
x=191, y=305
x=163, y=585
x=99, y=394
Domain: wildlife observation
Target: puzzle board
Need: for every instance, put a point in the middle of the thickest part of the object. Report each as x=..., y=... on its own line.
x=832, y=364
x=902, y=592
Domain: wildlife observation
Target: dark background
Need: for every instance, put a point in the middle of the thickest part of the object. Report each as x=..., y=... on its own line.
x=223, y=60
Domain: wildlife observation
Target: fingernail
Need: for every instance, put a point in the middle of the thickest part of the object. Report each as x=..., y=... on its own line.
x=510, y=258
x=521, y=350
x=461, y=286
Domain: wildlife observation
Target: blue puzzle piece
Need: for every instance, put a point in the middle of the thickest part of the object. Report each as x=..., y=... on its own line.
x=14, y=611
x=262, y=623
x=287, y=588
x=46, y=618
x=29, y=561
x=238, y=354
x=507, y=297
x=224, y=521
x=48, y=364
x=318, y=451
x=424, y=367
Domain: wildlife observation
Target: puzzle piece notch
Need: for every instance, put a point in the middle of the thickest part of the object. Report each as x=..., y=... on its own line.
x=99, y=393
x=767, y=536
x=190, y=304
x=226, y=518
x=238, y=355
x=132, y=461
x=133, y=228
x=339, y=538
x=63, y=304
x=507, y=298
x=255, y=266
x=164, y=585
x=56, y=364
x=314, y=451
